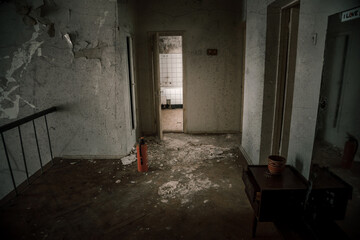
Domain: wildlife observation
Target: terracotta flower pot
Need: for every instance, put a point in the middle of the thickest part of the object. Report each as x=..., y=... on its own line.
x=276, y=164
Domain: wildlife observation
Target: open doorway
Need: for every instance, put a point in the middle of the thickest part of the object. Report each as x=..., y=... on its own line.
x=167, y=73
x=338, y=114
x=171, y=83
x=280, y=63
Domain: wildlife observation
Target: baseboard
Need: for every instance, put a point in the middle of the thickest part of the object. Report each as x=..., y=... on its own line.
x=246, y=156
x=93, y=157
x=212, y=132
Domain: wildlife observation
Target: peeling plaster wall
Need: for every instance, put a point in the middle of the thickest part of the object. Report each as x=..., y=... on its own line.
x=212, y=93
x=313, y=19
x=74, y=57
x=170, y=45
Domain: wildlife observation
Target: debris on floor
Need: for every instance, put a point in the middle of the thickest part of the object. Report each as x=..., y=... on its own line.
x=185, y=187
x=128, y=159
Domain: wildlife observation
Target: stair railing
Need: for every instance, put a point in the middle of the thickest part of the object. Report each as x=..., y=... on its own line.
x=17, y=124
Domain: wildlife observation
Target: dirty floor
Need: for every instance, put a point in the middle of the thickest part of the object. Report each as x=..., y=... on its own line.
x=172, y=120
x=193, y=190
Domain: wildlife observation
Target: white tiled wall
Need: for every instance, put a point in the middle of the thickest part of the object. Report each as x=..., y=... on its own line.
x=175, y=94
x=171, y=78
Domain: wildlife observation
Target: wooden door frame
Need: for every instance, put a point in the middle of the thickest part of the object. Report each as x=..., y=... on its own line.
x=156, y=78
x=271, y=75
x=243, y=47
x=285, y=80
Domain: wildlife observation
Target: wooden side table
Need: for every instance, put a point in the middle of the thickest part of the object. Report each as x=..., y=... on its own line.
x=274, y=197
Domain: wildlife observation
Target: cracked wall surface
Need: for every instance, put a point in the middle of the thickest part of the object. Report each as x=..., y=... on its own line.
x=212, y=93
x=70, y=54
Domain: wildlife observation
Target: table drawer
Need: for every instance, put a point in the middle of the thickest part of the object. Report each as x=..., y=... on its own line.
x=251, y=188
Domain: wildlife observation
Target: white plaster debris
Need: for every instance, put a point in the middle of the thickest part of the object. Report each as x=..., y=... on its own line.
x=118, y=181
x=196, y=151
x=184, y=191
x=128, y=159
x=184, y=201
x=73, y=163
x=184, y=183
x=68, y=40
x=39, y=52
x=148, y=182
x=167, y=190
x=133, y=182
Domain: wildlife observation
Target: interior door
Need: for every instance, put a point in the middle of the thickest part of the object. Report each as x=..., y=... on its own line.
x=339, y=113
x=285, y=82
x=156, y=79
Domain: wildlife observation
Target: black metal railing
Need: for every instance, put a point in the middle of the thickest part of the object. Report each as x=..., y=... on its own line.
x=17, y=124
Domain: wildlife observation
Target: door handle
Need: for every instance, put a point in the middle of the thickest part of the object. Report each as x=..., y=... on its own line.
x=323, y=103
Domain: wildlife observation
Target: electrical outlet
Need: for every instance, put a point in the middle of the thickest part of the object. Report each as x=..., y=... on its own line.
x=212, y=52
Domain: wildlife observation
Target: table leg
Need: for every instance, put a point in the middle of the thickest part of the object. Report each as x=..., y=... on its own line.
x=254, y=226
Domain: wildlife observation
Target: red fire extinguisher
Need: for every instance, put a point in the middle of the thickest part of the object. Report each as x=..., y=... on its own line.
x=350, y=149
x=142, y=160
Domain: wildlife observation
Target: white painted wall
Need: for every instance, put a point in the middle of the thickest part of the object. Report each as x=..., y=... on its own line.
x=313, y=19
x=254, y=78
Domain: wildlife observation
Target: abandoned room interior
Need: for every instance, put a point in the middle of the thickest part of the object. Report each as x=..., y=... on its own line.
x=179, y=119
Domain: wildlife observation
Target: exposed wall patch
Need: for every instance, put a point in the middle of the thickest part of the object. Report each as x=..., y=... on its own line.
x=21, y=59
x=91, y=53
x=68, y=40
x=101, y=21
x=11, y=112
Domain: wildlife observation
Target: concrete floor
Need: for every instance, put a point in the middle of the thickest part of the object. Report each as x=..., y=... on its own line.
x=172, y=120
x=193, y=190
